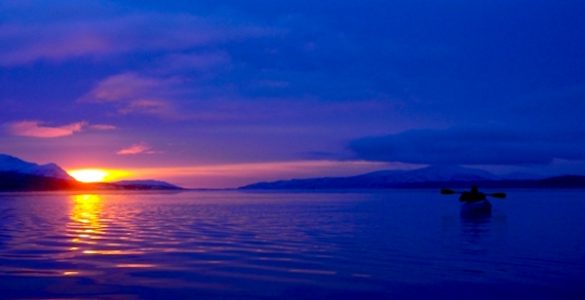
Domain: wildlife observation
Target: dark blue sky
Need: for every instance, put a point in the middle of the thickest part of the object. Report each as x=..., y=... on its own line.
x=220, y=93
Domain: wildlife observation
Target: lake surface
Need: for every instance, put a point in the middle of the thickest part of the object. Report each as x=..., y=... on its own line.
x=405, y=244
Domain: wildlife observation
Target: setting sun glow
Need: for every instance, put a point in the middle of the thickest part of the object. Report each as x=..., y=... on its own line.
x=89, y=175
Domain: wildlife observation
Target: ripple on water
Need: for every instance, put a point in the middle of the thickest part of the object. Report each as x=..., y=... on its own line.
x=257, y=245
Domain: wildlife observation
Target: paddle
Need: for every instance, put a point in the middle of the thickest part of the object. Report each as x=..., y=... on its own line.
x=448, y=192
x=494, y=195
x=498, y=195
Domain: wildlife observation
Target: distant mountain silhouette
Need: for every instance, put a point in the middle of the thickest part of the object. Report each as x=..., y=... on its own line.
x=429, y=177
x=146, y=185
x=10, y=163
x=19, y=175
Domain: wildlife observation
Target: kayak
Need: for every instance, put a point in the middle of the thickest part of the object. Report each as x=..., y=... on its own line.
x=481, y=207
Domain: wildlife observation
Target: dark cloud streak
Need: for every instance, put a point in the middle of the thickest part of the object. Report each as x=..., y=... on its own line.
x=471, y=147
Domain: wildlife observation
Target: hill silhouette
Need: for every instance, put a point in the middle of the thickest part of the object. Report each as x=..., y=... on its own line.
x=19, y=175
x=429, y=177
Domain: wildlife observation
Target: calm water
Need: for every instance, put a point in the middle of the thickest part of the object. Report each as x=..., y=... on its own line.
x=397, y=244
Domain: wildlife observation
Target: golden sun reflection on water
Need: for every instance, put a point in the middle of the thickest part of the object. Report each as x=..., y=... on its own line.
x=88, y=227
x=85, y=219
x=70, y=273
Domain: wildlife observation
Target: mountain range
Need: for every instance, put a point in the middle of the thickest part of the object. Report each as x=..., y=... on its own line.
x=19, y=175
x=428, y=177
x=13, y=164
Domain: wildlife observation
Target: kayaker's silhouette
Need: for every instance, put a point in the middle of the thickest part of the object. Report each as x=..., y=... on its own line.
x=472, y=196
x=475, y=203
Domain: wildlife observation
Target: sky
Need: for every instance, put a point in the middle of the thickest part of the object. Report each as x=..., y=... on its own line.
x=225, y=93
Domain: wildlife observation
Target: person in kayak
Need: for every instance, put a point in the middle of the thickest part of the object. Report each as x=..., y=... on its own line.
x=472, y=196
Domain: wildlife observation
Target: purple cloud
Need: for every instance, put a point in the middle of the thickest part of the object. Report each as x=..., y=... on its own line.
x=133, y=93
x=39, y=130
x=140, y=148
x=200, y=61
x=124, y=87
x=106, y=35
x=103, y=127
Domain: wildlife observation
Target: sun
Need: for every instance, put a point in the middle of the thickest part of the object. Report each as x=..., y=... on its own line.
x=89, y=175
x=98, y=175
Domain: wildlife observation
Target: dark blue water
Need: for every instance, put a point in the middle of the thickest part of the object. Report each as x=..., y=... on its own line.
x=234, y=245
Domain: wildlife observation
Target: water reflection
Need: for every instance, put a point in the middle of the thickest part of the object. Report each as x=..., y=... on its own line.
x=475, y=227
x=85, y=223
x=262, y=245
x=98, y=232
x=479, y=230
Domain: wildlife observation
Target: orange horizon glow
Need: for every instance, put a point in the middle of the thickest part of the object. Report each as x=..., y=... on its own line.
x=232, y=175
x=96, y=175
